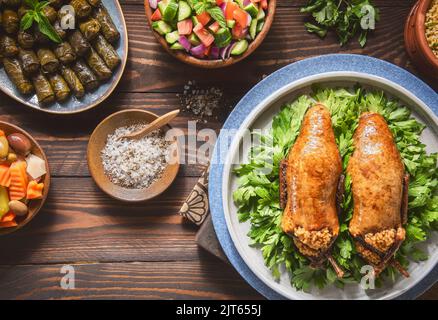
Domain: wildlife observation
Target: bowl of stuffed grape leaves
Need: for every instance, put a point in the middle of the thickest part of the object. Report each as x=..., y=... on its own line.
x=67, y=61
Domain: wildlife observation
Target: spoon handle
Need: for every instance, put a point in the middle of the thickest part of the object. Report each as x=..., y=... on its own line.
x=154, y=125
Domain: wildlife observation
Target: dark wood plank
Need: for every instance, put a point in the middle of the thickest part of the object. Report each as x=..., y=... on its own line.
x=65, y=139
x=206, y=278
x=431, y=294
x=81, y=223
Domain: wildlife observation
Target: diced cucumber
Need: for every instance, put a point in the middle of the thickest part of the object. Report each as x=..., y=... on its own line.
x=222, y=37
x=161, y=27
x=239, y=2
x=184, y=11
x=193, y=39
x=170, y=11
x=162, y=6
x=252, y=10
x=231, y=23
x=261, y=14
x=176, y=46
x=253, y=29
x=172, y=37
x=239, y=48
x=260, y=26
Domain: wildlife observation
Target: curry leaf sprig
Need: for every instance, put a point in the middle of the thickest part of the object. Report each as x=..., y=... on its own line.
x=344, y=17
x=258, y=200
x=35, y=14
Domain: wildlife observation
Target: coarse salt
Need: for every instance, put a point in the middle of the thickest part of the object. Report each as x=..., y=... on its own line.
x=133, y=163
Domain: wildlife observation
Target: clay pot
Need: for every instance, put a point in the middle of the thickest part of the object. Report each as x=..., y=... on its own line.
x=415, y=40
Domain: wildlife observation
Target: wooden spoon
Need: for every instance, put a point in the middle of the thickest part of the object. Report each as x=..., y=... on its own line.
x=154, y=125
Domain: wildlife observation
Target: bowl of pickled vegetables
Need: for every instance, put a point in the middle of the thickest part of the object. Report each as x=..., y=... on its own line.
x=210, y=33
x=24, y=178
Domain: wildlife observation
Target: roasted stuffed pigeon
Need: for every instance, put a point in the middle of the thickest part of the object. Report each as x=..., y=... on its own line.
x=309, y=181
x=380, y=191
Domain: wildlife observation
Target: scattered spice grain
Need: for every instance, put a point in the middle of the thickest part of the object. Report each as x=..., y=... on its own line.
x=202, y=103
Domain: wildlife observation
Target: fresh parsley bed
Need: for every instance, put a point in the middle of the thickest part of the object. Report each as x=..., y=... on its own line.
x=257, y=196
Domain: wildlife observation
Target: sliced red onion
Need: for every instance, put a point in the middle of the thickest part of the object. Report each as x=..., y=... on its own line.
x=198, y=51
x=223, y=6
x=184, y=42
x=244, y=32
x=246, y=2
x=225, y=52
x=214, y=53
x=153, y=4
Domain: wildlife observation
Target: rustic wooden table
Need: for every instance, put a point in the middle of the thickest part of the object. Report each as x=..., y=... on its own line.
x=148, y=251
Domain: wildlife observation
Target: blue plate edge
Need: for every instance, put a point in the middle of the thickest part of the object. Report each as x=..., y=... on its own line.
x=281, y=77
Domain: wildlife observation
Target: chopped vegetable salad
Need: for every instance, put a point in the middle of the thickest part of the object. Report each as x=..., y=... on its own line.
x=209, y=29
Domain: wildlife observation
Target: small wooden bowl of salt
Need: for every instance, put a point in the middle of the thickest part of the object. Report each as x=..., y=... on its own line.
x=132, y=170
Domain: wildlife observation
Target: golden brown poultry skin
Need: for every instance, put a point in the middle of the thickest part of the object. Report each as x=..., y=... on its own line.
x=379, y=186
x=309, y=182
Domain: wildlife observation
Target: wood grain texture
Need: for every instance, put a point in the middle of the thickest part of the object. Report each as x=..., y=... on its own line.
x=198, y=279
x=81, y=223
x=65, y=139
x=147, y=250
x=287, y=42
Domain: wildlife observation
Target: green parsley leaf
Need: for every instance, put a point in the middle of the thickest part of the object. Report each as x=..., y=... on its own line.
x=342, y=16
x=257, y=195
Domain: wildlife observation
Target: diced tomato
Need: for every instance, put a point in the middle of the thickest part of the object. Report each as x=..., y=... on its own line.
x=8, y=217
x=156, y=15
x=264, y=4
x=185, y=27
x=198, y=27
x=203, y=18
x=238, y=32
x=241, y=17
x=231, y=6
x=207, y=51
x=214, y=27
x=203, y=35
x=219, y=2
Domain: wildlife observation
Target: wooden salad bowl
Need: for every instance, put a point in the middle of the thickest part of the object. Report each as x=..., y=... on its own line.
x=219, y=63
x=415, y=40
x=35, y=205
x=97, y=143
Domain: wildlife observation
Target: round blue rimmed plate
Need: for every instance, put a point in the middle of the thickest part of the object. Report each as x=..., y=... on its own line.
x=91, y=99
x=255, y=111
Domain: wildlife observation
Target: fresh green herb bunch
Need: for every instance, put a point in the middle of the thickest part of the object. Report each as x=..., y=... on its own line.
x=342, y=16
x=35, y=14
x=257, y=196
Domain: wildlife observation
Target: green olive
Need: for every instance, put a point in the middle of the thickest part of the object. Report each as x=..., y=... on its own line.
x=4, y=147
x=12, y=157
